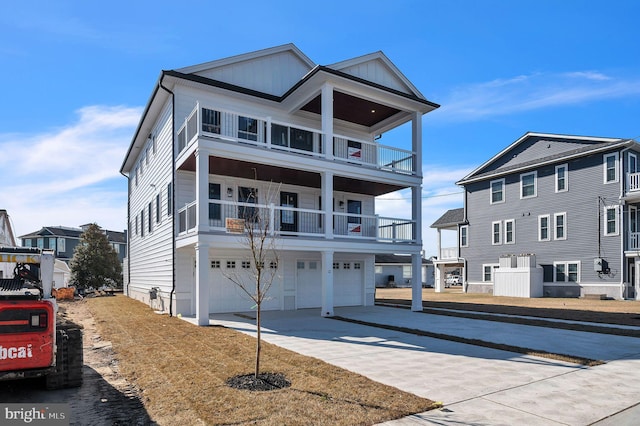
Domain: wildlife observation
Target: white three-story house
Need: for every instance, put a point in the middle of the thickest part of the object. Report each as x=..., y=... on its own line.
x=219, y=138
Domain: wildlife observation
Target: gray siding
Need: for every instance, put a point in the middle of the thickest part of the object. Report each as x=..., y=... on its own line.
x=584, y=206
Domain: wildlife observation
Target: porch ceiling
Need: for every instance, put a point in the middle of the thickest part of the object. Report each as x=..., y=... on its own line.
x=353, y=109
x=264, y=172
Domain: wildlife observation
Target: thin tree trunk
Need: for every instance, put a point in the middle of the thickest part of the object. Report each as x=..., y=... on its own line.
x=258, y=346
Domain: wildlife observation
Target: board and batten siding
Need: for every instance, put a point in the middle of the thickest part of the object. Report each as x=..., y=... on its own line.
x=150, y=257
x=583, y=203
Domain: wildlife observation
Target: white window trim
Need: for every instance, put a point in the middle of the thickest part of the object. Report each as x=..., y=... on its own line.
x=535, y=184
x=604, y=166
x=513, y=231
x=499, y=233
x=466, y=228
x=566, y=271
x=504, y=190
x=566, y=177
x=555, y=226
x=634, y=156
x=548, y=217
x=493, y=267
x=617, y=221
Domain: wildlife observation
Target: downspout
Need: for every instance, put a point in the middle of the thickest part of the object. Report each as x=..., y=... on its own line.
x=623, y=185
x=173, y=194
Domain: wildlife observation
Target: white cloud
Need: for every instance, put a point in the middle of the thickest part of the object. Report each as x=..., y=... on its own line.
x=69, y=176
x=530, y=92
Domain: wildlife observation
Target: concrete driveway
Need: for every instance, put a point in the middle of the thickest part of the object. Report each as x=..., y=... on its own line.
x=477, y=385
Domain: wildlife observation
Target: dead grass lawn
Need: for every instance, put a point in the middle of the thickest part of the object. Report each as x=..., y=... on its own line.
x=181, y=370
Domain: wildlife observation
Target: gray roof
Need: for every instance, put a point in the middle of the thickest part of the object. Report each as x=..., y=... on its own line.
x=451, y=218
x=397, y=258
x=63, y=231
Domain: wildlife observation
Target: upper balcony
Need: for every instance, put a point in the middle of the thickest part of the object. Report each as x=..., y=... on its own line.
x=206, y=121
x=633, y=185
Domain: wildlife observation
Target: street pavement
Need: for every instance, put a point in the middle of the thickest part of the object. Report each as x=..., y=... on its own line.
x=477, y=385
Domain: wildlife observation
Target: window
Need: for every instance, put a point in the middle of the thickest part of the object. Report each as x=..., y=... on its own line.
x=210, y=121
x=336, y=265
x=142, y=223
x=157, y=208
x=560, y=231
x=346, y=265
x=543, y=228
x=464, y=236
x=231, y=264
x=279, y=135
x=246, y=264
x=52, y=243
x=169, y=199
x=150, y=216
x=215, y=264
x=137, y=225
x=300, y=265
x=407, y=272
x=313, y=265
x=214, y=194
x=611, y=168
x=357, y=265
x=487, y=272
x=40, y=243
x=273, y=265
x=509, y=231
x=496, y=229
x=566, y=272
x=497, y=191
x=250, y=196
x=62, y=245
x=248, y=128
x=301, y=139
x=528, y=185
x=562, y=183
x=611, y=220
x=27, y=243
x=354, y=207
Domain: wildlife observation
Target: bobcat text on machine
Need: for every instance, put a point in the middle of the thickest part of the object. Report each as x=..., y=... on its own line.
x=33, y=341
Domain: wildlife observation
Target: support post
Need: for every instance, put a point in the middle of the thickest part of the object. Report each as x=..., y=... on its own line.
x=416, y=282
x=327, y=284
x=202, y=284
x=202, y=190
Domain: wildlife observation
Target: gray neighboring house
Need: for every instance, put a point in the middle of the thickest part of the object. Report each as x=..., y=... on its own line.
x=64, y=240
x=394, y=270
x=553, y=215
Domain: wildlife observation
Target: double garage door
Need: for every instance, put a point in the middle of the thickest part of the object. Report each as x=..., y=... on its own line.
x=348, y=283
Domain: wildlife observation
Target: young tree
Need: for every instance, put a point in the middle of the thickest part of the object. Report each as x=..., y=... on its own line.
x=257, y=275
x=95, y=262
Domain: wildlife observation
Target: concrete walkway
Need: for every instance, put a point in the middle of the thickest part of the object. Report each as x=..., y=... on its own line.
x=477, y=385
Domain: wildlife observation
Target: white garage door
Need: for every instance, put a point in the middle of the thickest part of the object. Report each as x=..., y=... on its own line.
x=348, y=283
x=308, y=284
x=225, y=296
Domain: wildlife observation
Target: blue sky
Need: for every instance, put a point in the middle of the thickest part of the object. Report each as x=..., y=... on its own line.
x=77, y=74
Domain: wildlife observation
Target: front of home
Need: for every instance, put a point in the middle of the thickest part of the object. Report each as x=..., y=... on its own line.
x=301, y=144
x=552, y=215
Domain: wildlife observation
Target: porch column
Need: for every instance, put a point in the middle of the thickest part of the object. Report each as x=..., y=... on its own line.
x=327, y=203
x=416, y=141
x=327, y=284
x=327, y=119
x=416, y=282
x=439, y=278
x=202, y=284
x=416, y=213
x=202, y=190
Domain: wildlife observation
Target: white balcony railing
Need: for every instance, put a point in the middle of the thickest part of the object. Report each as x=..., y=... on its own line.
x=284, y=221
x=633, y=182
x=634, y=241
x=263, y=132
x=448, y=253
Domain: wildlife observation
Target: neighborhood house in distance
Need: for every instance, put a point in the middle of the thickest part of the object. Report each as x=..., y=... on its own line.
x=550, y=215
x=215, y=135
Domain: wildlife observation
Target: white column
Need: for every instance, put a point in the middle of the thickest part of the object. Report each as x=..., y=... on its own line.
x=327, y=284
x=202, y=284
x=327, y=119
x=416, y=282
x=327, y=203
x=416, y=141
x=202, y=190
x=439, y=245
x=439, y=278
x=416, y=212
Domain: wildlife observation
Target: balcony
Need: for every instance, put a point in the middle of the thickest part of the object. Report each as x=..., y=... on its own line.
x=205, y=121
x=633, y=182
x=289, y=221
x=634, y=241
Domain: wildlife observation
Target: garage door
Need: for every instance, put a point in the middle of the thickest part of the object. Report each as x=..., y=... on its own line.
x=308, y=284
x=348, y=283
x=225, y=296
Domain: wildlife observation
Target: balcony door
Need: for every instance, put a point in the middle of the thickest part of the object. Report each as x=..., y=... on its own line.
x=288, y=218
